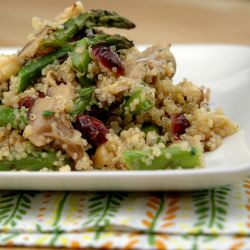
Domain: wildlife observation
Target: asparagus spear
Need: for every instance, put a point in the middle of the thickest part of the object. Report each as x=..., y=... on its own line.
x=153, y=128
x=16, y=118
x=137, y=103
x=120, y=42
x=80, y=58
x=150, y=127
x=34, y=161
x=83, y=101
x=92, y=18
x=80, y=55
x=31, y=71
x=85, y=81
x=168, y=157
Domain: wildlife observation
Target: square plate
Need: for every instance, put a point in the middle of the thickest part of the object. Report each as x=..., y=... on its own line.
x=223, y=68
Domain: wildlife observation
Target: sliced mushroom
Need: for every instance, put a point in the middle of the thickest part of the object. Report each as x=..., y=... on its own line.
x=33, y=48
x=155, y=61
x=58, y=128
x=62, y=91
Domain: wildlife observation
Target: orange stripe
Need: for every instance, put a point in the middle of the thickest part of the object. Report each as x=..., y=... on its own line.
x=237, y=237
x=107, y=245
x=9, y=243
x=170, y=217
x=168, y=224
x=75, y=244
x=248, y=192
x=150, y=215
x=134, y=234
x=160, y=245
x=173, y=202
x=152, y=203
x=247, y=185
x=155, y=200
x=172, y=210
x=247, y=181
x=146, y=223
x=163, y=236
x=131, y=245
x=237, y=246
x=153, y=206
x=248, y=207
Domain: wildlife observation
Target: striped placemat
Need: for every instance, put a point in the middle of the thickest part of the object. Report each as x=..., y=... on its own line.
x=213, y=219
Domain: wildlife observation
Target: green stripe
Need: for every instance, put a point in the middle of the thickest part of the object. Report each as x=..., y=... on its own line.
x=20, y=196
x=60, y=208
x=151, y=235
x=195, y=242
x=213, y=209
x=10, y=237
x=54, y=239
x=104, y=213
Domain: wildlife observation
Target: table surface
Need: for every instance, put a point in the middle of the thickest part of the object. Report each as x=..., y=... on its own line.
x=170, y=21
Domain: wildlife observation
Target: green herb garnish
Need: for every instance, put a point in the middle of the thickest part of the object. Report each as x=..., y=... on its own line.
x=48, y=113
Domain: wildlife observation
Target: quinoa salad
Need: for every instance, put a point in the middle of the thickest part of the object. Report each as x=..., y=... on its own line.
x=76, y=98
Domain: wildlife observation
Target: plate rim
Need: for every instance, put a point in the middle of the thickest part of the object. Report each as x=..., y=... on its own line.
x=139, y=173
x=125, y=173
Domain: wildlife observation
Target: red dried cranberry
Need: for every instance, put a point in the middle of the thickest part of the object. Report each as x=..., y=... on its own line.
x=179, y=125
x=109, y=59
x=26, y=102
x=41, y=94
x=92, y=129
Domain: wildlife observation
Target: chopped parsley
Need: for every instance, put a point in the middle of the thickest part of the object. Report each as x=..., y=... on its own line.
x=48, y=113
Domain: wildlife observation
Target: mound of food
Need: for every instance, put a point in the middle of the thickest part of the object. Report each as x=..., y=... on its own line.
x=77, y=98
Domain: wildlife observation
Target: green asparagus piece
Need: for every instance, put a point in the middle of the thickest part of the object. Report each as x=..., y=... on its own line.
x=84, y=100
x=153, y=128
x=92, y=18
x=120, y=42
x=34, y=161
x=150, y=127
x=168, y=157
x=31, y=71
x=80, y=57
x=86, y=82
x=136, y=104
x=16, y=118
x=48, y=113
x=105, y=18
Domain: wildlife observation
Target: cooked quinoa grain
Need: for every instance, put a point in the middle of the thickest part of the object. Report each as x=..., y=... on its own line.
x=89, y=100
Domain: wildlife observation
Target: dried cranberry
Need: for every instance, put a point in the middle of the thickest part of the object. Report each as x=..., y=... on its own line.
x=41, y=94
x=179, y=124
x=92, y=129
x=109, y=59
x=26, y=102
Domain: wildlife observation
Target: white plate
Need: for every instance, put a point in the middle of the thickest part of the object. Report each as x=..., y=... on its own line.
x=223, y=68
